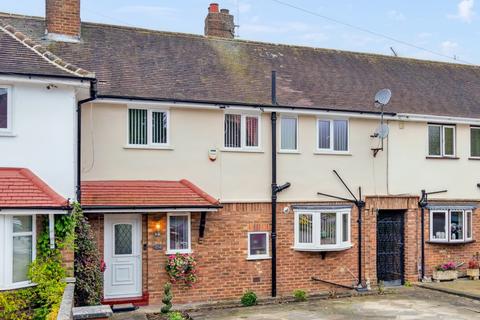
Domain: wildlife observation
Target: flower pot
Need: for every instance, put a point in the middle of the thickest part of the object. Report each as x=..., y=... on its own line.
x=445, y=275
x=473, y=274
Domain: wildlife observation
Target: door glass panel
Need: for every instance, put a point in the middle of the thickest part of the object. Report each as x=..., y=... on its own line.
x=328, y=228
x=123, y=239
x=22, y=257
x=456, y=225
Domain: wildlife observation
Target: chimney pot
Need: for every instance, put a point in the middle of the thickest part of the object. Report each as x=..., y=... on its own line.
x=213, y=8
x=219, y=24
x=62, y=20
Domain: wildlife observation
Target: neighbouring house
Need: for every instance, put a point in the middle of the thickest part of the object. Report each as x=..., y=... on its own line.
x=38, y=117
x=191, y=140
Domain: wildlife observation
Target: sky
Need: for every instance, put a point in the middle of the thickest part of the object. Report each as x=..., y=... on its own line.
x=445, y=30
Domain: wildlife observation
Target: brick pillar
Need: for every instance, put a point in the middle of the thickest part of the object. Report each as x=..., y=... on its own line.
x=63, y=20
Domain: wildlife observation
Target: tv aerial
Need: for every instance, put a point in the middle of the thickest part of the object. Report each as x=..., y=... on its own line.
x=382, y=98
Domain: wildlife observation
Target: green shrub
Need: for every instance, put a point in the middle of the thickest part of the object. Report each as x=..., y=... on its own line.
x=18, y=304
x=167, y=298
x=300, y=295
x=175, y=316
x=249, y=298
x=89, y=278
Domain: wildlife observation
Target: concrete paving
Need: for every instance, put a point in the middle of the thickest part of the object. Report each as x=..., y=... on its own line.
x=416, y=303
x=462, y=287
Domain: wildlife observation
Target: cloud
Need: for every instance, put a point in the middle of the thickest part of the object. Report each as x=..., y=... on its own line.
x=449, y=47
x=148, y=10
x=395, y=15
x=464, y=11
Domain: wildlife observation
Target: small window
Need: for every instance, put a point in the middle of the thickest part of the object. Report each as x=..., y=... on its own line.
x=288, y=133
x=475, y=142
x=258, y=245
x=148, y=127
x=441, y=140
x=450, y=225
x=5, y=112
x=178, y=234
x=332, y=135
x=241, y=131
x=322, y=230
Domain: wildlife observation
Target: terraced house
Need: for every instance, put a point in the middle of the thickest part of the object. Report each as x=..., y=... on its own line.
x=192, y=145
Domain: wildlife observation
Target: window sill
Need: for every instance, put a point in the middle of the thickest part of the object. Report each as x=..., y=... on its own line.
x=18, y=286
x=169, y=253
x=243, y=150
x=450, y=243
x=258, y=258
x=442, y=158
x=474, y=158
x=289, y=152
x=333, y=153
x=7, y=134
x=319, y=249
x=147, y=147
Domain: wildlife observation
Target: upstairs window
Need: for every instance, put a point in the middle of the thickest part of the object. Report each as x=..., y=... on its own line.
x=475, y=142
x=441, y=140
x=332, y=135
x=148, y=127
x=241, y=131
x=5, y=112
x=322, y=230
x=288, y=133
x=451, y=225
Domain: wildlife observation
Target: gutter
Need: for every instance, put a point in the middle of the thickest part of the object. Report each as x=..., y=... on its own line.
x=153, y=207
x=93, y=96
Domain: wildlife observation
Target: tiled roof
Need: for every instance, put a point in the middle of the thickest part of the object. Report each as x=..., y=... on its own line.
x=19, y=187
x=144, y=193
x=21, y=55
x=152, y=64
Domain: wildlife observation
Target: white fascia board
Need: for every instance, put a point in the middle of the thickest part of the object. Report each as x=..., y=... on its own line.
x=437, y=119
x=82, y=83
x=20, y=211
x=147, y=210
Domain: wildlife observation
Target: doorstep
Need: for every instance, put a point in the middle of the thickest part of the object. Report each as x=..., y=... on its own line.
x=461, y=287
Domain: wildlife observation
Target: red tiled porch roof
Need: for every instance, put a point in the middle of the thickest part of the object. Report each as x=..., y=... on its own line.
x=20, y=187
x=144, y=193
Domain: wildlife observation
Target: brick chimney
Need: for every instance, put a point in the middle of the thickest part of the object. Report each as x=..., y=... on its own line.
x=63, y=20
x=219, y=24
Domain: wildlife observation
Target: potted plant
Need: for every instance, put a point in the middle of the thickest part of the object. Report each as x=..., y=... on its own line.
x=473, y=271
x=446, y=271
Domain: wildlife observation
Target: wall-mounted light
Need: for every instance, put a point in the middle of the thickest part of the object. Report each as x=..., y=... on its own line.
x=157, y=230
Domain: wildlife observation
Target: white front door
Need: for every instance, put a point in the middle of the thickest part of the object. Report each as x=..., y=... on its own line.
x=123, y=256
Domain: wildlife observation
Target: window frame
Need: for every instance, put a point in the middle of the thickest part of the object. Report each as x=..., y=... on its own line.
x=331, y=149
x=6, y=243
x=259, y=256
x=179, y=214
x=442, y=140
x=473, y=128
x=9, y=129
x=316, y=229
x=447, y=226
x=288, y=116
x=243, y=131
x=150, y=143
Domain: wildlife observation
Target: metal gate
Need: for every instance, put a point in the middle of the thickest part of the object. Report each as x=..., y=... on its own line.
x=390, y=247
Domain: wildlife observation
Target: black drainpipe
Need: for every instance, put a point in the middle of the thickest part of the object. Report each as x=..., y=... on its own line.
x=275, y=188
x=93, y=96
x=423, y=203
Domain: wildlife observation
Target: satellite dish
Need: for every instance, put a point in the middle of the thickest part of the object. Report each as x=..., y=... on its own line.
x=383, y=97
x=382, y=131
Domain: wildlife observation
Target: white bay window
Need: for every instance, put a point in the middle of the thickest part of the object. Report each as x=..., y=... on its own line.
x=451, y=225
x=322, y=229
x=241, y=131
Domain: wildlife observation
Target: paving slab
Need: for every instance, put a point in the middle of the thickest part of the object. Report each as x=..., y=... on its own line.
x=461, y=287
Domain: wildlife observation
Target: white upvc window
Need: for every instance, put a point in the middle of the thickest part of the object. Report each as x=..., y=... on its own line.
x=451, y=225
x=332, y=135
x=148, y=127
x=322, y=230
x=241, y=131
x=475, y=142
x=17, y=247
x=258, y=245
x=178, y=233
x=289, y=133
x=6, y=120
x=441, y=140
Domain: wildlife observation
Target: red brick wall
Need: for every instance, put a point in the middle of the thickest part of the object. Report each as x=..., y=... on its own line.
x=224, y=272
x=63, y=17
